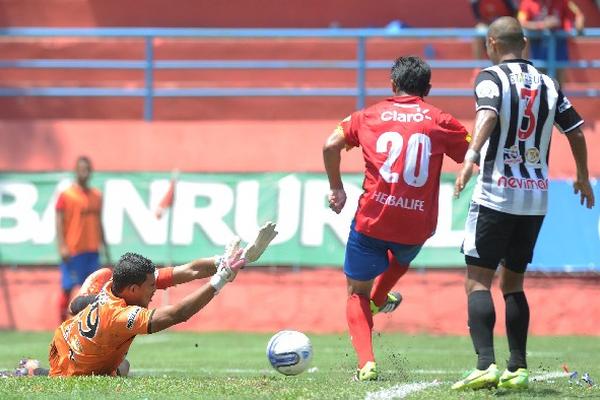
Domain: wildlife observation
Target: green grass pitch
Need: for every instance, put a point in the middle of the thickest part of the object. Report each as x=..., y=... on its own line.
x=234, y=366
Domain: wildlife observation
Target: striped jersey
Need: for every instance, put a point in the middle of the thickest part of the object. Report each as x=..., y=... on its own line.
x=514, y=161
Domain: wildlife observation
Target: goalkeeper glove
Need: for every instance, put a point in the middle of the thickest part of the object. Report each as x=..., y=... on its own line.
x=254, y=250
x=227, y=268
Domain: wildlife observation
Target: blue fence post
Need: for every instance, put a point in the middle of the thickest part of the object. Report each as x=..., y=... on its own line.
x=361, y=72
x=149, y=79
x=551, y=53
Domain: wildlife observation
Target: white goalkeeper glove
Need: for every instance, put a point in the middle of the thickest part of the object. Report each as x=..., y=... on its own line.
x=228, y=265
x=230, y=250
x=254, y=250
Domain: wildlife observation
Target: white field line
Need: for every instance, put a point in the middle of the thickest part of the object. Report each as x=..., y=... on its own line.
x=433, y=371
x=401, y=391
x=548, y=375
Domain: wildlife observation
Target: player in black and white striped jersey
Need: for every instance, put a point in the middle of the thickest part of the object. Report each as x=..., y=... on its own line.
x=527, y=104
x=517, y=107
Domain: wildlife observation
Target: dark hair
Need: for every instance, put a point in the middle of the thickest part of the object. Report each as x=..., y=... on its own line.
x=411, y=75
x=132, y=269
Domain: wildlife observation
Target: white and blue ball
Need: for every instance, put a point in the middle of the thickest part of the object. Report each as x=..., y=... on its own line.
x=289, y=352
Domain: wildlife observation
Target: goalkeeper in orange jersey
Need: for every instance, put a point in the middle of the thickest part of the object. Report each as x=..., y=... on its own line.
x=112, y=308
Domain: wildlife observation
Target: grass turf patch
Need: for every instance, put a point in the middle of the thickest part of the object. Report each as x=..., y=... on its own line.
x=234, y=366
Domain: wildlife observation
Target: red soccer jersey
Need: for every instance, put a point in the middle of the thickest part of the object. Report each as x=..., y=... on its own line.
x=403, y=140
x=537, y=10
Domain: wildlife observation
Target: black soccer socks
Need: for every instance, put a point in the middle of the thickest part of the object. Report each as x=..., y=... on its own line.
x=517, y=324
x=482, y=318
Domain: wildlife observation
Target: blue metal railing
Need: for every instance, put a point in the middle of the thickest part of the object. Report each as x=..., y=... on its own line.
x=360, y=64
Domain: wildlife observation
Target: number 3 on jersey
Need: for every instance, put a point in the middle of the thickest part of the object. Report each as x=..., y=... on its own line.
x=528, y=121
x=416, y=160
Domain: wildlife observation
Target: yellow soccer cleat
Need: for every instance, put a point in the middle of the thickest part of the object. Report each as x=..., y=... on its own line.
x=367, y=373
x=517, y=380
x=479, y=379
x=393, y=301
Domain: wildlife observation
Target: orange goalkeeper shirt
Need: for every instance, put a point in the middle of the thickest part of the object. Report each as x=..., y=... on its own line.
x=96, y=340
x=81, y=218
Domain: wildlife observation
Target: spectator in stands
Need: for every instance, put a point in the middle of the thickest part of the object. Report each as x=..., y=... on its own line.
x=555, y=15
x=486, y=12
x=79, y=232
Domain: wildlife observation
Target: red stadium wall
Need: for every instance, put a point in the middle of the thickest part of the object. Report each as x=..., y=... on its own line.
x=260, y=146
x=315, y=301
x=237, y=13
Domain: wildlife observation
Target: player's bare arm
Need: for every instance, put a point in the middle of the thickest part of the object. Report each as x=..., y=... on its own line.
x=60, y=236
x=205, y=267
x=197, y=269
x=332, y=158
x=581, y=185
x=579, y=17
x=167, y=316
x=228, y=266
x=485, y=121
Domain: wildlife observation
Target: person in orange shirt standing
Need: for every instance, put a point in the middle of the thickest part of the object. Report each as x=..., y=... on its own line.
x=79, y=232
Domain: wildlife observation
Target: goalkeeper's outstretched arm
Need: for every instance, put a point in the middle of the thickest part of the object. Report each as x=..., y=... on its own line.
x=167, y=316
x=225, y=269
x=204, y=267
x=197, y=269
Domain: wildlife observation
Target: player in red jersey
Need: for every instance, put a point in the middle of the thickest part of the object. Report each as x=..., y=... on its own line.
x=403, y=140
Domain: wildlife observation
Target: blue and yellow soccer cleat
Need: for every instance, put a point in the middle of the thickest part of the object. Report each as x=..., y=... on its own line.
x=393, y=301
x=479, y=379
x=517, y=380
x=367, y=373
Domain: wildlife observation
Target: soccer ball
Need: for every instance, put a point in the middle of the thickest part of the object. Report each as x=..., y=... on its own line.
x=289, y=352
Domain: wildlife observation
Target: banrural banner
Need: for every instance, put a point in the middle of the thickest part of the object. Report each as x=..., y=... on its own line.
x=209, y=209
